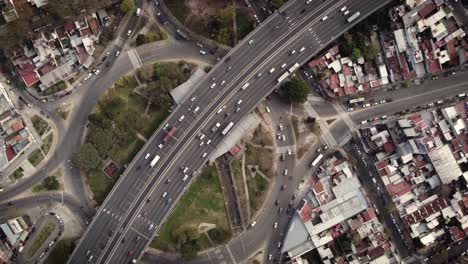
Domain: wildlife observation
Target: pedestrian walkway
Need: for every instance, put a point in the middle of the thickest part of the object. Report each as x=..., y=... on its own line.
x=134, y=58
x=326, y=135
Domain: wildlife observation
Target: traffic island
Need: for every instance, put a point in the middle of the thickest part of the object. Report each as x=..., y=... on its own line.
x=37, y=241
x=199, y=221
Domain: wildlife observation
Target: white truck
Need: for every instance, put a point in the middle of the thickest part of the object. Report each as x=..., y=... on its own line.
x=154, y=161
x=138, y=12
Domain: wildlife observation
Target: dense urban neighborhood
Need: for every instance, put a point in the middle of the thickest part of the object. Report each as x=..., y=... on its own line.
x=218, y=131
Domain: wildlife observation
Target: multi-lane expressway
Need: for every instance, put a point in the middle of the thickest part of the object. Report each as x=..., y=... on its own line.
x=134, y=210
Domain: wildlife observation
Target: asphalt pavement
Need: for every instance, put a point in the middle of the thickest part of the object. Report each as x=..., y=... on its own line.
x=133, y=207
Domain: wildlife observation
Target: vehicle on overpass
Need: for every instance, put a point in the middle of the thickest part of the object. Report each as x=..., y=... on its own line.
x=354, y=16
x=168, y=136
x=293, y=68
x=154, y=161
x=227, y=129
x=283, y=77
x=316, y=160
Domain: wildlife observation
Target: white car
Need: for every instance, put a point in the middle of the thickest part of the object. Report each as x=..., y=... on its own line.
x=117, y=53
x=129, y=33
x=275, y=225
x=164, y=194
x=213, y=85
x=285, y=173
x=267, y=109
x=283, y=137
x=280, y=127
x=204, y=155
x=202, y=52
x=193, y=99
x=239, y=102
x=185, y=170
x=181, y=118
x=251, y=41
x=253, y=223
x=223, y=82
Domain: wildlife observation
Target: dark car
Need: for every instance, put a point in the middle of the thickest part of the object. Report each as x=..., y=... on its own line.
x=276, y=202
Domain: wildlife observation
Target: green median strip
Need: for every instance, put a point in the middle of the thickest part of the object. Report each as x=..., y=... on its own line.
x=40, y=239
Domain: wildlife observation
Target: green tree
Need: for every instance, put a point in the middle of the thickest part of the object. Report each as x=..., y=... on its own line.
x=75, y=8
x=127, y=6
x=189, y=250
x=371, y=52
x=140, y=39
x=51, y=183
x=356, y=54
x=87, y=157
x=295, y=91
x=101, y=138
x=277, y=3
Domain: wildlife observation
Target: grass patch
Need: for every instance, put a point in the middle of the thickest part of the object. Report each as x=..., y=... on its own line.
x=40, y=239
x=261, y=157
x=329, y=121
x=37, y=188
x=257, y=186
x=36, y=157
x=47, y=143
x=17, y=174
x=155, y=33
x=244, y=23
x=54, y=89
x=119, y=116
x=295, y=125
x=40, y=125
x=202, y=203
x=62, y=112
x=262, y=137
x=61, y=251
x=100, y=185
x=178, y=9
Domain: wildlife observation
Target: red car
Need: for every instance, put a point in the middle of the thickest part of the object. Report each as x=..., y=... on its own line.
x=130, y=254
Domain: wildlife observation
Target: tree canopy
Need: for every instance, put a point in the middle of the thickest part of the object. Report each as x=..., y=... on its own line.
x=87, y=157
x=74, y=8
x=127, y=6
x=51, y=183
x=295, y=91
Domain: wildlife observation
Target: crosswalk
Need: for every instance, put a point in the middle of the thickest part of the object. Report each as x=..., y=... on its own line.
x=134, y=58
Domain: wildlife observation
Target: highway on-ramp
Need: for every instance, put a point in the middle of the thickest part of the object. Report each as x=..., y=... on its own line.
x=143, y=197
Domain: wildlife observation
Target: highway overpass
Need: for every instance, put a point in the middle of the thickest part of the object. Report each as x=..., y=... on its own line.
x=135, y=209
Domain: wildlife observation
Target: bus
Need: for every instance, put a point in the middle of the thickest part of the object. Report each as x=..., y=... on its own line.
x=154, y=161
x=293, y=68
x=182, y=34
x=283, y=77
x=354, y=16
x=356, y=100
x=169, y=134
x=316, y=160
x=227, y=128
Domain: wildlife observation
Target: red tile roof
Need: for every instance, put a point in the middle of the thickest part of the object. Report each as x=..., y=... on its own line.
x=425, y=211
x=235, y=150
x=427, y=10
x=17, y=126
x=46, y=69
x=68, y=26
x=10, y=153
x=398, y=189
x=369, y=214
x=375, y=252
x=389, y=147
x=306, y=213
x=458, y=235
x=93, y=25
x=27, y=73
